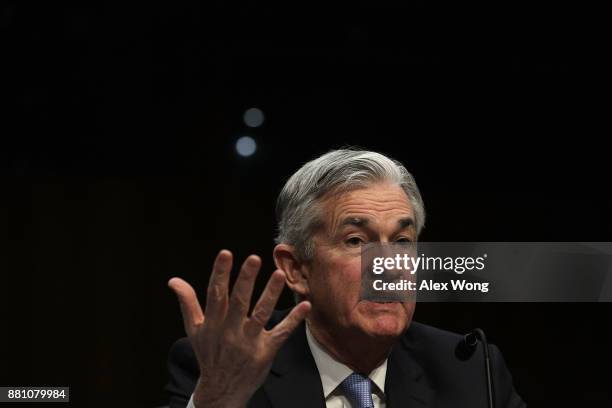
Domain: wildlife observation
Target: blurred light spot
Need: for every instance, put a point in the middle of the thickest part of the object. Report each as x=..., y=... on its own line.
x=246, y=146
x=253, y=117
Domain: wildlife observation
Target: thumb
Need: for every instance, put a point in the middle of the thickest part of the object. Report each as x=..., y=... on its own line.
x=190, y=307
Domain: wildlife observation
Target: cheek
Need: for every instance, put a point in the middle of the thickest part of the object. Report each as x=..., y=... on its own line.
x=409, y=310
x=339, y=279
x=345, y=280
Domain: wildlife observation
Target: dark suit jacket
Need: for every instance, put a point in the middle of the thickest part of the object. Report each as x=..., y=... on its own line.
x=423, y=370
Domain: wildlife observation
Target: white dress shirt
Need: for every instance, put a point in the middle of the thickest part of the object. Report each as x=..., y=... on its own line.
x=333, y=373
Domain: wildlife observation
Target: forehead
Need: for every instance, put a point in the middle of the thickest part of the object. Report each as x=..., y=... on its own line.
x=379, y=201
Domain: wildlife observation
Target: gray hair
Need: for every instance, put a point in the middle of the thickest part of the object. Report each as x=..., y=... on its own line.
x=337, y=171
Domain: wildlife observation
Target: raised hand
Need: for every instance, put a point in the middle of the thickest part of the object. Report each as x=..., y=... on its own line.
x=234, y=350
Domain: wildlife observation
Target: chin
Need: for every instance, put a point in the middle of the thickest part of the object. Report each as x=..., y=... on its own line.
x=383, y=320
x=387, y=326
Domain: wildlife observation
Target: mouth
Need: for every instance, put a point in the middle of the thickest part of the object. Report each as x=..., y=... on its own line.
x=382, y=301
x=382, y=304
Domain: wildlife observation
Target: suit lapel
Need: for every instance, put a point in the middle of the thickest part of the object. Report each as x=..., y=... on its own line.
x=405, y=384
x=294, y=380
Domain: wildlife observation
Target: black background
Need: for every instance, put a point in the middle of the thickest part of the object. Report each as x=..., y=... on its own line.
x=119, y=169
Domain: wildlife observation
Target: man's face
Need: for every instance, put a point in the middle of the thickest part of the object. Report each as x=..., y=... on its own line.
x=378, y=213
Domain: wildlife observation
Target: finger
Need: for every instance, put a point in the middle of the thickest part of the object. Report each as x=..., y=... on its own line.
x=265, y=305
x=217, y=292
x=190, y=307
x=281, y=331
x=242, y=291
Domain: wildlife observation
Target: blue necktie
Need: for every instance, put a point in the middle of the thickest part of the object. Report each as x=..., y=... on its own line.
x=358, y=389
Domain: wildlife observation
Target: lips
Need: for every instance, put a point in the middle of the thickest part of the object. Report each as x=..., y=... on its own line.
x=382, y=305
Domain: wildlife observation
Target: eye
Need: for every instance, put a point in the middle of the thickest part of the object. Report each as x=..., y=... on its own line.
x=403, y=239
x=354, y=241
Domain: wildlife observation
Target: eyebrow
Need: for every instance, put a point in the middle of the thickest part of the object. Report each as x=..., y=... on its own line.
x=406, y=222
x=363, y=222
x=355, y=221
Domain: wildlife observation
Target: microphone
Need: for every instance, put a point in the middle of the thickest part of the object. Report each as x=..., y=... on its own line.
x=466, y=348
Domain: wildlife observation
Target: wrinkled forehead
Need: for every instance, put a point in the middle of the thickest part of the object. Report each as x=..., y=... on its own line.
x=378, y=205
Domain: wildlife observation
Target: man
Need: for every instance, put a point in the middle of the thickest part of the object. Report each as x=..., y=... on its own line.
x=332, y=349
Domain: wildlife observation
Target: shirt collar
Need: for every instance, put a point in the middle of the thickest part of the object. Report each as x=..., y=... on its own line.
x=333, y=372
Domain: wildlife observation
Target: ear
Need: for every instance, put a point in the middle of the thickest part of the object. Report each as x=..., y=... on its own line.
x=296, y=272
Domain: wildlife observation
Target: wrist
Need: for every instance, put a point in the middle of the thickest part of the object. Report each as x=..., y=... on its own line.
x=205, y=397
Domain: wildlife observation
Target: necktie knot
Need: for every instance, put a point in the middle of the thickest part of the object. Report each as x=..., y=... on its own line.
x=358, y=389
